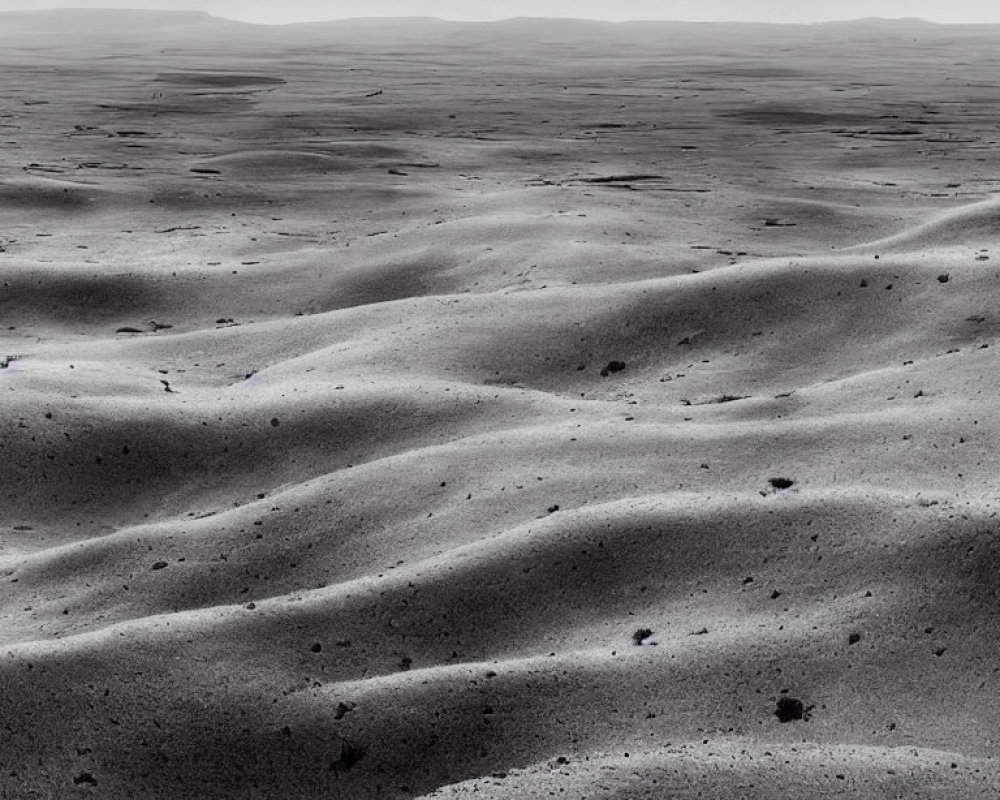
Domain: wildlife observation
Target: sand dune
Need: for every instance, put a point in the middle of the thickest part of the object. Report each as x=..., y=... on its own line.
x=970, y=227
x=381, y=417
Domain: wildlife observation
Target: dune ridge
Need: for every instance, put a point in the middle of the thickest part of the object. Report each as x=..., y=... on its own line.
x=381, y=418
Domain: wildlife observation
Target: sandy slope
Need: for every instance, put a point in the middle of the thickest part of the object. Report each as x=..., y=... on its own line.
x=347, y=439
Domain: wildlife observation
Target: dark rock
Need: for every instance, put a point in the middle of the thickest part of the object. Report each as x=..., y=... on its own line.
x=789, y=709
x=159, y=565
x=641, y=635
x=613, y=366
x=781, y=483
x=350, y=755
x=730, y=398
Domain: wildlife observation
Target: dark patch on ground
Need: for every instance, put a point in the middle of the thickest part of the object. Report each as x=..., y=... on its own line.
x=217, y=80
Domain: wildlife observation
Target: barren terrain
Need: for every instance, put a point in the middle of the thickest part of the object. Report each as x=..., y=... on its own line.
x=526, y=409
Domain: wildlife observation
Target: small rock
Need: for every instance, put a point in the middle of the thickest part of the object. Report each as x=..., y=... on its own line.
x=350, y=755
x=641, y=635
x=789, y=709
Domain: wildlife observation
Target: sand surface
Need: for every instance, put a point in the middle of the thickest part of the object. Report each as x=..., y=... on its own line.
x=366, y=389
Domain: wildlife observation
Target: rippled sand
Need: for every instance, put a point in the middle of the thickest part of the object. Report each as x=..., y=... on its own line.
x=514, y=410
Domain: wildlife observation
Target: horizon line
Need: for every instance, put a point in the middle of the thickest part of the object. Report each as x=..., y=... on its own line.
x=517, y=18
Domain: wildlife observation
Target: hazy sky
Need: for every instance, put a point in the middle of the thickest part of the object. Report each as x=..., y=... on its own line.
x=764, y=10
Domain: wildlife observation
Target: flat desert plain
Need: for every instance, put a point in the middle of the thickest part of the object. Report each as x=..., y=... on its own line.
x=527, y=409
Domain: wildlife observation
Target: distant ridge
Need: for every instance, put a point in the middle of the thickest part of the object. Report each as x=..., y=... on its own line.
x=109, y=17
x=125, y=17
x=86, y=21
x=135, y=27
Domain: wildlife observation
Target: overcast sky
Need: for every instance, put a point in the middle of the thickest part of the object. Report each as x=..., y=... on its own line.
x=277, y=11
